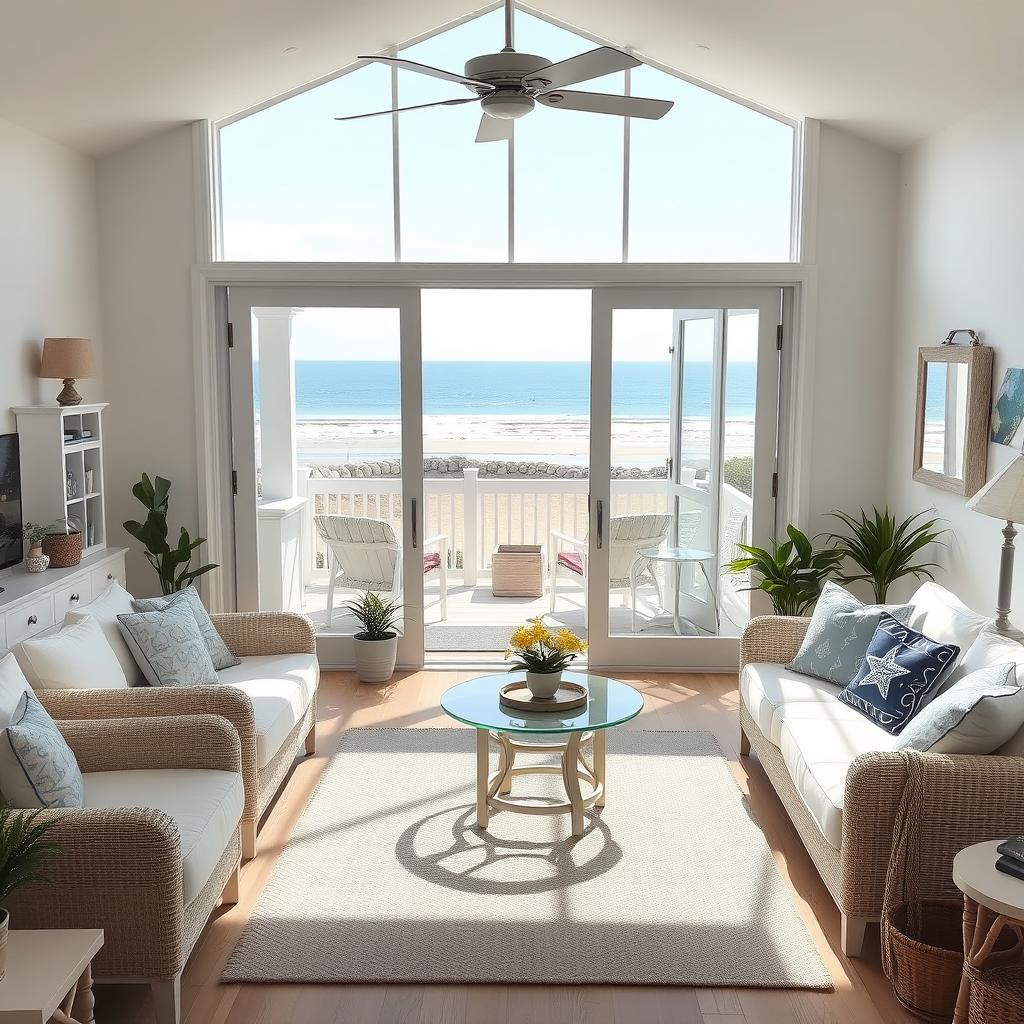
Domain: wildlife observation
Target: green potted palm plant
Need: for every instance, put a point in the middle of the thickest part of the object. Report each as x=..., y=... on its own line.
x=23, y=846
x=791, y=573
x=376, y=644
x=885, y=550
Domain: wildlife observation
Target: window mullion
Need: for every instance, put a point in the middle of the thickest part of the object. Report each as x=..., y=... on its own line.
x=396, y=190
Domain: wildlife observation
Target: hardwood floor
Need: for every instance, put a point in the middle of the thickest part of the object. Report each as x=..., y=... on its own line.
x=672, y=701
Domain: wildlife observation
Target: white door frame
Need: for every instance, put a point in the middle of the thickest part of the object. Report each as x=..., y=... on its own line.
x=670, y=651
x=333, y=649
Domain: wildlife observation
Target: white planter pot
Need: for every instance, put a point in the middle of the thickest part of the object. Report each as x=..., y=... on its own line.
x=4, y=920
x=543, y=684
x=375, y=659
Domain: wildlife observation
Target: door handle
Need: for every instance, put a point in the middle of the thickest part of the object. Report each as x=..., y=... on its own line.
x=600, y=523
x=415, y=531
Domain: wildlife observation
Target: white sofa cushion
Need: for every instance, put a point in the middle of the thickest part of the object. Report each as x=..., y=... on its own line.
x=765, y=687
x=818, y=752
x=944, y=618
x=77, y=658
x=989, y=650
x=280, y=687
x=205, y=804
x=114, y=601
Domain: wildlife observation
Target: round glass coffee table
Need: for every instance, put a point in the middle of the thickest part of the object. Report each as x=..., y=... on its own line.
x=475, y=702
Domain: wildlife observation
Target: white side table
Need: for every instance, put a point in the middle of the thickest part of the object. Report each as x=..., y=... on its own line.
x=992, y=900
x=677, y=558
x=49, y=976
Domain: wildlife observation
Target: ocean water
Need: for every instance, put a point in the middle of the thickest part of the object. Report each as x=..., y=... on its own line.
x=339, y=390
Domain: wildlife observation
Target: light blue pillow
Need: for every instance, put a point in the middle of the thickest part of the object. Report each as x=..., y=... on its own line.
x=219, y=653
x=976, y=715
x=168, y=646
x=37, y=767
x=839, y=633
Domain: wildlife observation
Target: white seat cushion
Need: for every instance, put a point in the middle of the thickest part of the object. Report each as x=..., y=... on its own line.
x=206, y=805
x=818, y=749
x=765, y=687
x=280, y=687
x=944, y=618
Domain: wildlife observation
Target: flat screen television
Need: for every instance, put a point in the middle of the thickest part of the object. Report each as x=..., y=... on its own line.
x=10, y=501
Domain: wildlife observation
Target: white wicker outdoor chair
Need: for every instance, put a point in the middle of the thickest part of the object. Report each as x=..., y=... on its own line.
x=364, y=554
x=626, y=536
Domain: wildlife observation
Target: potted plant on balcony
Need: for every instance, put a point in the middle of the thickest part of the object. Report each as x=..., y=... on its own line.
x=22, y=847
x=544, y=654
x=376, y=645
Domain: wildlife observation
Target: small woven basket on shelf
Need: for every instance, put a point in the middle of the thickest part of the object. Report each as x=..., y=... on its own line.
x=922, y=938
x=997, y=996
x=64, y=549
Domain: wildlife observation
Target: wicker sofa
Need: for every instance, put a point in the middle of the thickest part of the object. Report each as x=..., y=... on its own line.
x=842, y=788
x=152, y=851
x=270, y=699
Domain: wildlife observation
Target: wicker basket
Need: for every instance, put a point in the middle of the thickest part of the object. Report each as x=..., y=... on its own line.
x=64, y=549
x=997, y=996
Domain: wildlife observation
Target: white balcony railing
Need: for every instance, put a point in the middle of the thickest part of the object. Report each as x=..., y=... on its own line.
x=477, y=515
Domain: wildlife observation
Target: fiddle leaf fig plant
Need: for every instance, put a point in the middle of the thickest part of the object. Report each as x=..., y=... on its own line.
x=173, y=563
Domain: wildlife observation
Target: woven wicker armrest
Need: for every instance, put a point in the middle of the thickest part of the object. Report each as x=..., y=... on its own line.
x=772, y=638
x=185, y=741
x=977, y=797
x=251, y=634
x=119, y=870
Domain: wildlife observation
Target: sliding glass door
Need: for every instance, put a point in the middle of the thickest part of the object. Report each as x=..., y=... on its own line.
x=684, y=418
x=326, y=424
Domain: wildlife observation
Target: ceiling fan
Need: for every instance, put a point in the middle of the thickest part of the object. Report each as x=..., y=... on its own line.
x=508, y=84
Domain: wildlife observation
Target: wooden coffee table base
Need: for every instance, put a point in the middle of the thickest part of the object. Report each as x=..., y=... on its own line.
x=494, y=791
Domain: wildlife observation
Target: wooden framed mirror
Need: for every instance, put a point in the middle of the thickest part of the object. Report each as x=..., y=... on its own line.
x=954, y=395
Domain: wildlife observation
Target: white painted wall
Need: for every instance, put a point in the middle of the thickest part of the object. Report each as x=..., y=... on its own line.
x=856, y=248
x=961, y=264
x=48, y=262
x=146, y=252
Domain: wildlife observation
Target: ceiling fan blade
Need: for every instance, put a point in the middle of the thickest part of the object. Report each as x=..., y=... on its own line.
x=494, y=129
x=601, y=103
x=605, y=60
x=425, y=69
x=418, y=106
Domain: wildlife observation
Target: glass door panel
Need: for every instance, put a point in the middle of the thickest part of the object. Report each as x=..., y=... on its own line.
x=686, y=394
x=320, y=426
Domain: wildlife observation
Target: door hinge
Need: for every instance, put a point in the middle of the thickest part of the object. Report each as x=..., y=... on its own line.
x=778, y=337
x=231, y=335
x=775, y=485
x=234, y=481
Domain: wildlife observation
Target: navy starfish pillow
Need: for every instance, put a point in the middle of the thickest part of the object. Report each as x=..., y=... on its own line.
x=901, y=672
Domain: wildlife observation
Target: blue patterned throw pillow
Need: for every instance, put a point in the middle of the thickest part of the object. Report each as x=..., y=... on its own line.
x=838, y=635
x=168, y=646
x=902, y=671
x=219, y=653
x=37, y=767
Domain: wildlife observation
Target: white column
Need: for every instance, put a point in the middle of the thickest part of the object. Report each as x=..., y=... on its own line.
x=277, y=400
x=470, y=541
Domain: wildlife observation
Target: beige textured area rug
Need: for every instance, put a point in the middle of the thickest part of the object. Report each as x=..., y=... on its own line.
x=386, y=879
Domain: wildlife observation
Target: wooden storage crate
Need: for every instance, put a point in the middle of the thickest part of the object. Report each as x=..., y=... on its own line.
x=517, y=570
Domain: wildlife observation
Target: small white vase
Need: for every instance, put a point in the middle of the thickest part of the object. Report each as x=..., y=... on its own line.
x=375, y=659
x=543, y=684
x=36, y=561
x=4, y=921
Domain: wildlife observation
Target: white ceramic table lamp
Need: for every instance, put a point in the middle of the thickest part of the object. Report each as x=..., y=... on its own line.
x=1003, y=498
x=67, y=359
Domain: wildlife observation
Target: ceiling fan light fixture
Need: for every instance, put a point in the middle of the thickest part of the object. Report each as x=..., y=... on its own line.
x=507, y=106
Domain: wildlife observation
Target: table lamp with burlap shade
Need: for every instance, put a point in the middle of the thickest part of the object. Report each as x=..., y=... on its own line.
x=67, y=359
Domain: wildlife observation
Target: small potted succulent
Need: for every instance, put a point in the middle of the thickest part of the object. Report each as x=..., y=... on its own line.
x=23, y=846
x=544, y=654
x=376, y=644
x=34, y=534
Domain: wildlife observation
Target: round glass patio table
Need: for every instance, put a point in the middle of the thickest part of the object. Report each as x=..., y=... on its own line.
x=677, y=558
x=475, y=702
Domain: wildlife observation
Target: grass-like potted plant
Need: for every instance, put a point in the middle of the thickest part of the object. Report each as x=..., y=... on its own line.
x=543, y=653
x=376, y=644
x=23, y=846
x=791, y=573
x=885, y=550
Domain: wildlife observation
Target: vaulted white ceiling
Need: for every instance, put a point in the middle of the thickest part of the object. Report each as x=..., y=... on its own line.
x=97, y=74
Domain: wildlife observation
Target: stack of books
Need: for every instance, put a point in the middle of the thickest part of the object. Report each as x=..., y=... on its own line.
x=1012, y=860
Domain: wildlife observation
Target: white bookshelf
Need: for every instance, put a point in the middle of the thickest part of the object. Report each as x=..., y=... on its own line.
x=48, y=463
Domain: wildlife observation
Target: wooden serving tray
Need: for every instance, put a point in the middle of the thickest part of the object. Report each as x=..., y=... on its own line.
x=566, y=697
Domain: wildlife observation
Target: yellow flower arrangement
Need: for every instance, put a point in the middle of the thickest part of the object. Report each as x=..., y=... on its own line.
x=539, y=649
